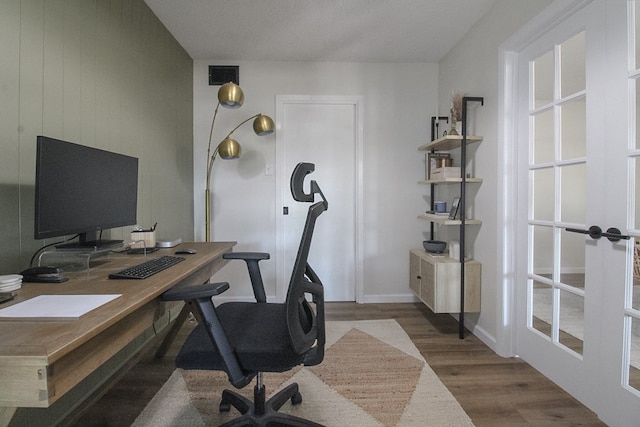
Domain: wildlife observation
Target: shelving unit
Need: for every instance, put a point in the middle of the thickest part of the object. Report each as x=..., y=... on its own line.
x=438, y=287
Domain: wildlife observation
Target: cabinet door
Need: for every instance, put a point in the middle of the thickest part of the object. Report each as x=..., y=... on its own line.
x=428, y=272
x=414, y=273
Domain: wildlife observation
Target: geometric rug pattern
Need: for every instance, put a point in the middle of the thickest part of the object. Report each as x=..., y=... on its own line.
x=371, y=375
x=383, y=392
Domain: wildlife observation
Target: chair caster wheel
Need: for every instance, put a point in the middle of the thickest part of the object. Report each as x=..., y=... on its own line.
x=225, y=407
x=296, y=399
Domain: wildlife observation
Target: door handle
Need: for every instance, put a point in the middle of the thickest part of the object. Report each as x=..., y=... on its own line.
x=595, y=232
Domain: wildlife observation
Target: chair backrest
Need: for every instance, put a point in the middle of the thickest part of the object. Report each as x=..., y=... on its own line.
x=306, y=323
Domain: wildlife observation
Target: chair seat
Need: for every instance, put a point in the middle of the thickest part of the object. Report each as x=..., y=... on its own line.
x=257, y=333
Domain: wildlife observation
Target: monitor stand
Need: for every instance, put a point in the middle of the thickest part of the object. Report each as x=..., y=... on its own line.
x=88, y=242
x=90, y=246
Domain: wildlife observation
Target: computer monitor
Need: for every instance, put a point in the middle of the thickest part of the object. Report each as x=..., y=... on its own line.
x=83, y=190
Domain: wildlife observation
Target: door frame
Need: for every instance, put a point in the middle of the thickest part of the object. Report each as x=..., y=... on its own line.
x=282, y=185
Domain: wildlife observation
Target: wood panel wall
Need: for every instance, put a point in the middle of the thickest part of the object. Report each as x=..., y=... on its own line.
x=102, y=73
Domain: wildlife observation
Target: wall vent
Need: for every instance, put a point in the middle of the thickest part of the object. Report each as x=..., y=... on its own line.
x=221, y=74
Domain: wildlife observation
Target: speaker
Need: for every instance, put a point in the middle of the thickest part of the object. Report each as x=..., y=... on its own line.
x=221, y=74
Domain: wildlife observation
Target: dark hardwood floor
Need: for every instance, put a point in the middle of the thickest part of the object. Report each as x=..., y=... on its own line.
x=494, y=391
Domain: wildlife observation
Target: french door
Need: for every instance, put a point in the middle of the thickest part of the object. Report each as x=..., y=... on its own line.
x=578, y=318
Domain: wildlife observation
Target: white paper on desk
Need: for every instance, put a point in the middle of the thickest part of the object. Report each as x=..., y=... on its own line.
x=55, y=307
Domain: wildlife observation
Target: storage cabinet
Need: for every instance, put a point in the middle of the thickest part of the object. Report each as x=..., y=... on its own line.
x=436, y=281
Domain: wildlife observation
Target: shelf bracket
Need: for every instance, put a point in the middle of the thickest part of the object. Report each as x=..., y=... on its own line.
x=463, y=204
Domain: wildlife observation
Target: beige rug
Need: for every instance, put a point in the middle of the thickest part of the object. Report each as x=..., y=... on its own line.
x=372, y=375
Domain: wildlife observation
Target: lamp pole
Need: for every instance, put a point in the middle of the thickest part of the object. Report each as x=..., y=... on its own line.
x=230, y=96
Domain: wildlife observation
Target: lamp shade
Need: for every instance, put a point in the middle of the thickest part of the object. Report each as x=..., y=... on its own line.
x=230, y=95
x=229, y=149
x=263, y=125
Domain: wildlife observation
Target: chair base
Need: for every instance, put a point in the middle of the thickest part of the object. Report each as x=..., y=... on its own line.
x=261, y=413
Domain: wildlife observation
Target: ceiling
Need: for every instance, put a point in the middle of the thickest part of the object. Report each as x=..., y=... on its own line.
x=319, y=30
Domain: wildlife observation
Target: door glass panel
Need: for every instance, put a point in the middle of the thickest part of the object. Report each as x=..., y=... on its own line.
x=543, y=147
x=637, y=93
x=573, y=122
x=542, y=307
x=543, y=194
x=573, y=187
x=637, y=37
x=571, y=323
x=543, y=79
x=634, y=365
x=635, y=299
x=572, y=262
x=543, y=251
x=636, y=191
x=572, y=65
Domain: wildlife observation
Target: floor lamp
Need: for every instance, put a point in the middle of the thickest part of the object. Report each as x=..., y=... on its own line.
x=230, y=95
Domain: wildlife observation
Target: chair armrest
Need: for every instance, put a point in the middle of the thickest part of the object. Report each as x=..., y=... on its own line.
x=252, y=259
x=188, y=293
x=246, y=255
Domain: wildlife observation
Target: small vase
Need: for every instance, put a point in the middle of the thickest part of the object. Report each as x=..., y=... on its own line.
x=453, y=122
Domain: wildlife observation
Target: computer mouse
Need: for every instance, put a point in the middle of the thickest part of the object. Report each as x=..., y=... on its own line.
x=186, y=251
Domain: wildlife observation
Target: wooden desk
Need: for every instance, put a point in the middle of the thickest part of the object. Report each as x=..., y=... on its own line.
x=40, y=361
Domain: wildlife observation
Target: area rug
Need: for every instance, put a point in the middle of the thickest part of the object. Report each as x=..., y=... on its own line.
x=372, y=375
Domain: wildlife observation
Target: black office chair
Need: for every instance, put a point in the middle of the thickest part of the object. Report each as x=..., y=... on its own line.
x=245, y=339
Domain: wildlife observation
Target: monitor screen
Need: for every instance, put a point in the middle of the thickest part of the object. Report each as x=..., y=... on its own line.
x=82, y=190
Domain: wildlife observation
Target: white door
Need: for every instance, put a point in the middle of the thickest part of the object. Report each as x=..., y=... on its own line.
x=324, y=131
x=575, y=312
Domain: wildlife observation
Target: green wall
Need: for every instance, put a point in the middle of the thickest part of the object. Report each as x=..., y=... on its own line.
x=105, y=74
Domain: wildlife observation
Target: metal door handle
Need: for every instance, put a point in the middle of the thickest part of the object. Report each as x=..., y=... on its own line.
x=614, y=235
x=595, y=232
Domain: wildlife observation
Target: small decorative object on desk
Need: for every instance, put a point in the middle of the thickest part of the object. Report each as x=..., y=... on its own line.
x=141, y=238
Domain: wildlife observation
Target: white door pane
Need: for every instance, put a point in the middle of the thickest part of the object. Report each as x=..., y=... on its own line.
x=572, y=65
x=543, y=140
x=573, y=192
x=543, y=79
x=571, y=321
x=572, y=259
x=573, y=123
x=542, y=308
x=543, y=194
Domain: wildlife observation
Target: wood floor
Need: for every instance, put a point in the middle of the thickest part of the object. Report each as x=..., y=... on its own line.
x=494, y=391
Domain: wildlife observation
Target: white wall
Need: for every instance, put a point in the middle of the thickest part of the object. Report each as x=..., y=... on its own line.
x=397, y=101
x=472, y=68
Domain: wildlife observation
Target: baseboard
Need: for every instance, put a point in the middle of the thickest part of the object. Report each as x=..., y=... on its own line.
x=488, y=339
x=368, y=299
x=479, y=332
x=393, y=298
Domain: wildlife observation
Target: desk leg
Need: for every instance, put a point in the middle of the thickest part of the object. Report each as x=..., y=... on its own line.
x=171, y=335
